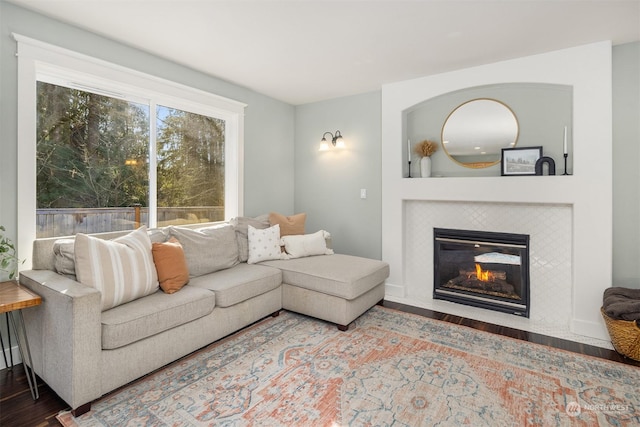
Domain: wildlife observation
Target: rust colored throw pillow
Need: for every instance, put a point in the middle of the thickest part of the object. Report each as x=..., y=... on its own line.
x=289, y=225
x=171, y=265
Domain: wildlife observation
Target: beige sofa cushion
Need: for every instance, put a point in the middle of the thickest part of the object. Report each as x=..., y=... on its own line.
x=240, y=283
x=241, y=226
x=64, y=248
x=207, y=249
x=344, y=276
x=153, y=314
x=65, y=258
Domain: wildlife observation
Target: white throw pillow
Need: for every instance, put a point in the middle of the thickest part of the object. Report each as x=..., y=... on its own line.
x=264, y=244
x=121, y=269
x=307, y=245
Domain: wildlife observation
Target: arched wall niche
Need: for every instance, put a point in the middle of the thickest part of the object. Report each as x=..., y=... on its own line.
x=542, y=111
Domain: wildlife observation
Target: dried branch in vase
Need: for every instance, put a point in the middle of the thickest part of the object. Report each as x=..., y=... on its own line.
x=426, y=148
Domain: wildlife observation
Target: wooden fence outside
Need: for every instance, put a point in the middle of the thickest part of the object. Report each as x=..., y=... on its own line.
x=67, y=222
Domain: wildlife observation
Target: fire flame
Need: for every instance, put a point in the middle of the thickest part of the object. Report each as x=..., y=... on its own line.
x=484, y=276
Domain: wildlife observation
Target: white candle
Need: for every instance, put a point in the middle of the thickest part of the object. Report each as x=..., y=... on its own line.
x=408, y=150
x=565, y=140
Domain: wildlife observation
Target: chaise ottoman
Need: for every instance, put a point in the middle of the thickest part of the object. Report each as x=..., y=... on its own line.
x=336, y=288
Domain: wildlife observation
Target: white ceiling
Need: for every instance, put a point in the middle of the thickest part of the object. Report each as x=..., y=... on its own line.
x=310, y=50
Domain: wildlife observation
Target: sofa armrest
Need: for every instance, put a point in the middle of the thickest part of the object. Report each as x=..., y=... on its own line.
x=64, y=334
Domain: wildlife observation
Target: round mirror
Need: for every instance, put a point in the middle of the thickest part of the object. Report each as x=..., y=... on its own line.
x=475, y=133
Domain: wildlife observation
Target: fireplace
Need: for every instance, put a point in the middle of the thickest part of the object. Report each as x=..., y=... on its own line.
x=482, y=269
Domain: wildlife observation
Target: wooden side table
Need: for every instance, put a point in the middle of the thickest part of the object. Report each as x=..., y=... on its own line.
x=14, y=298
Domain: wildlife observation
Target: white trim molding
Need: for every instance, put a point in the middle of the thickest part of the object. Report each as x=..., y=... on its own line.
x=38, y=60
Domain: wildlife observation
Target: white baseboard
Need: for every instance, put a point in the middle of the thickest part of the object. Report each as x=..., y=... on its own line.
x=14, y=351
x=596, y=330
x=394, y=290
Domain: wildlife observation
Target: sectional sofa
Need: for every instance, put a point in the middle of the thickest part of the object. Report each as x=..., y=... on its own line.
x=88, y=338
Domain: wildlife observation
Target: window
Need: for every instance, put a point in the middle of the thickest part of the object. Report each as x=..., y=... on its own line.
x=93, y=169
x=108, y=148
x=190, y=170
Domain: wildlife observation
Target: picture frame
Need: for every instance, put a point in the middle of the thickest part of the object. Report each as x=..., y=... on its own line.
x=520, y=161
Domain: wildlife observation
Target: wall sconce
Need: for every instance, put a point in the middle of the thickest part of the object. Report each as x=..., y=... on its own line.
x=336, y=140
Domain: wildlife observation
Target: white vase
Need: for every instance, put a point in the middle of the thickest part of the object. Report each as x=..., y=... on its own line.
x=425, y=167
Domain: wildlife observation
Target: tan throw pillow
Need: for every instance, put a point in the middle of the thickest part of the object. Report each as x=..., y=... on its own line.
x=171, y=265
x=121, y=269
x=289, y=225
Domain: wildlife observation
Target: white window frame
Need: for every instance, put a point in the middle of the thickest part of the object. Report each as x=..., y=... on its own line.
x=40, y=61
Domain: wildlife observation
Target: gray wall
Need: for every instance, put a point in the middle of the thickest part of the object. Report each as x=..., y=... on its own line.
x=328, y=183
x=328, y=187
x=269, y=124
x=626, y=165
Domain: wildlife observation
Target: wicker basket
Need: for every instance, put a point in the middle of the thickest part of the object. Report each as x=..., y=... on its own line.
x=625, y=336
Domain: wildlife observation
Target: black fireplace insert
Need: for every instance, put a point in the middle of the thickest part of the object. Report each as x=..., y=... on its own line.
x=482, y=269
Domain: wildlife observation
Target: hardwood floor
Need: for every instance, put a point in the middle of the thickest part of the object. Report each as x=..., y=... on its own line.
x=586, y=349
x=17, y=408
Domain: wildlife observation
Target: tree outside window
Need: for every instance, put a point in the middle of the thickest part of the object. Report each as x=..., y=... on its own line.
x=93, y=163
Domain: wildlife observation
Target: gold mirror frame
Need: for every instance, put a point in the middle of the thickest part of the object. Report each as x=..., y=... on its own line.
x=479, y=129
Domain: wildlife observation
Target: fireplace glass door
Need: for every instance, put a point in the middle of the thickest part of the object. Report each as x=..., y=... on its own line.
x=483, y=269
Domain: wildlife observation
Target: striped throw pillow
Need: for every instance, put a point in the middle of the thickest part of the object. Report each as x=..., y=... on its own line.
x=121, y=269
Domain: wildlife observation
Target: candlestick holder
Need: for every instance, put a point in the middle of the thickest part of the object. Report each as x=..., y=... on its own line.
x=565, y=164
x=410, y=169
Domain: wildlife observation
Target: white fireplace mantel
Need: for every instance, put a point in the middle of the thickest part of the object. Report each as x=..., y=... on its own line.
x=587, y=193
x=521, y=189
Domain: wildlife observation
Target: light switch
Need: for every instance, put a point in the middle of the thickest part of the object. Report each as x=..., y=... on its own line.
x=363, y=193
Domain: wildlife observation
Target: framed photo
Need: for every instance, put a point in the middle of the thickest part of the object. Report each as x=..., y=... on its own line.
x=520, y=161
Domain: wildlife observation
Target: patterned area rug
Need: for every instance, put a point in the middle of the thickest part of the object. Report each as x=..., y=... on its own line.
x=390, y=368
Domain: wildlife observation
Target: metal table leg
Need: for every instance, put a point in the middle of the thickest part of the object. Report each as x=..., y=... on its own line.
x=4, y=349
x=27, y=361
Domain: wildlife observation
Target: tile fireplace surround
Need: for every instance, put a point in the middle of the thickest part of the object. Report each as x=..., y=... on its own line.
x=550, y=229
x=568, y=218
